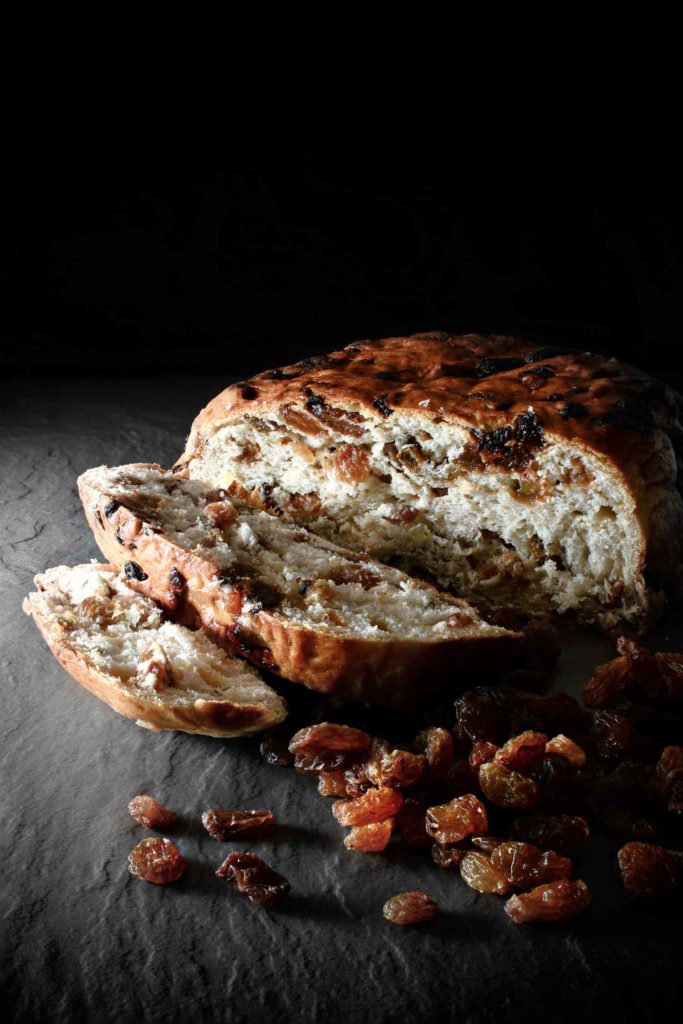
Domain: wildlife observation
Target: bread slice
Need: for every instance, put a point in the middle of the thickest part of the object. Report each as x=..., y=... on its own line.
x=300, y=606
x=516, y=476
x=116, y=643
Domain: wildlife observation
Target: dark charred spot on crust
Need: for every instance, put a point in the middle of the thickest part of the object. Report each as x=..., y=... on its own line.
x=388, y=375
x=249, y=647
x=176, y=579
x=630, y=414
x=549, y=352
x=542, y=372
x=132, y=571
x=487, y=366
x=380, y=404
x=573, y=411
x=111, y=508
x=249, y=392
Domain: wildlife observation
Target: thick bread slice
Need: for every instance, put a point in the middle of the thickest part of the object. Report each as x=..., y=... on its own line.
x=115, y=642
x=517, y=476
x=283, y=597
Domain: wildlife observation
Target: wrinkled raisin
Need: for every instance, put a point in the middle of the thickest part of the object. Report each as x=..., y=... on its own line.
x=611, y=735
x=371, y=838
x=524, y=864
x=567, y=749
x=650, y=872
x=606, y=682
x=149, y=813
x=563, y=832
x=521, y=752
x=459, y=818
x=507, y=788
x=480, y=754
x=223, y=824
x=156, y=860
x=437, y=746
x=395, y=768
x=447, y=857
x=251, y=876
x=332, y=784
x=486, y=843
x=557, y=901
x=328, y=737
x=411, y=822
x=332, y=761
x=481, y=874
x=481, y=715
x=357, y=781
x=556, y=780
x=375, y=805
x=409, y=908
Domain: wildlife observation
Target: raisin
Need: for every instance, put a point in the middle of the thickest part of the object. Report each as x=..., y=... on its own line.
x=481, y=715
x=156, y=860
x=552, y=714
x=642, y=664
x=524, y=864
x=275, y=750
x=251, y=876
x=332, y=784
x=222, y=823
x=521, y=752
x=370, y=838
x=563, y=832
x=557, y=901
x=411, y=822
x=111, y=508
x=669, y=778
x=481, y=874
x=488, y=366
x=380, y=404
x=540, y=646
x=624, y=825
x=314, y=764
x=461, y=817
x=567, y=749
x=485, y=843
x=611, y=735
x=650, y=872
x=447, y=857
x=409, y=908
x=437, y=745
x=507, y=788
x=149, y=813
x=132, y=571
x=542, y=372
x=375, y=805
x=176, y=579
x=670, y=674
x=327, y=737
x=480, y=754
x=395, y=768
x=606, y=682
x=555, y=778
x=357, y=781
x=573, y=411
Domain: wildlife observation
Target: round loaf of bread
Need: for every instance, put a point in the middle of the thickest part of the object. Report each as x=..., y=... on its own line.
x=540, y=479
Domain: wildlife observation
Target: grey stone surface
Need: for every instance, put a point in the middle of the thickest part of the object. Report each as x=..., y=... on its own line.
x=82, y=940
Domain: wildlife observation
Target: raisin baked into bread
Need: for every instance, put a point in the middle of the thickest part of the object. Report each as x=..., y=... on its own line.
x=281, y=596
x=115, y=642
x=539, y=479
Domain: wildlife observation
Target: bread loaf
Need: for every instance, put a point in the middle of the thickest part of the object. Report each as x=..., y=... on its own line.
x=116, y=643
x=287, y=599
x=538, y=479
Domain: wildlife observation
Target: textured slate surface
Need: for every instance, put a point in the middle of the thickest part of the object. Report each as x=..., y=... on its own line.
x=83, y=940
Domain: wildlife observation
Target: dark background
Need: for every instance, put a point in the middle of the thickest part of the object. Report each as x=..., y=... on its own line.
x=295, y=227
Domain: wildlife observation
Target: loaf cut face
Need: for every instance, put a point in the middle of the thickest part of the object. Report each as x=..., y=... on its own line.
x=538, y=479
x=282, y=596
x=118, y=644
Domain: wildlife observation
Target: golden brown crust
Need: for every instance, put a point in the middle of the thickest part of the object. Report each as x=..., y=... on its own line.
x=485, y=384
x=386, y=672
x=222, y=719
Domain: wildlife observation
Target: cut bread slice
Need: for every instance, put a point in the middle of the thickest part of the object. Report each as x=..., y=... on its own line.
x=115, y=642
x=311, y=611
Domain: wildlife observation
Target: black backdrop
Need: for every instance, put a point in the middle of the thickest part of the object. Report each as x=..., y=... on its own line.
x=137, y=248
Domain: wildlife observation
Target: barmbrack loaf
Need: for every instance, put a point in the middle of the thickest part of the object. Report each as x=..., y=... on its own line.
x=540, y=479
x=283, y=597
x=117, y=644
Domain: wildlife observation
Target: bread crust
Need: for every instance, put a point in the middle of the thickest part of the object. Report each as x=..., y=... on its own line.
x=390, y=672
x=222, y=719
x=628, y=421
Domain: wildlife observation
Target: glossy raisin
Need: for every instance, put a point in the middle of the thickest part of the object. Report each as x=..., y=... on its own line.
x=567, y=749
x=395, y=768
x=563, y=832
x=507, y=788
x=222, y=823
x=477, y=869
x=370, y=838
x=448, y=857
x=480, y=754
x=557, y=901
x=524, y=864
x=411, y=822
x=375, y=805
x=482, y=715
x=522, y=751
x=329, y=737
x=606, y=683
x=149, y=813
x=332, y=784
x=461, y=817
x=650, y=872
x=409, y=908
x=156, y=860
x=251, y=876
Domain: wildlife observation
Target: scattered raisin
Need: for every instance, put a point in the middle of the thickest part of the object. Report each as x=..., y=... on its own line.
x=409, y=908
x=606, y=682
x=411, y=822
x=176, y=579
x=557, y=901
x=332, y=784
x=507, y=788
x=327, y=737
x=525, y=865
x=222, y=823
x=480, y=754
x=447, y=857
x=395, y=768
x=650, y=872
x=481, y=874
x=251, y=876
x=521, y=752
x=567, y=749
x=314, y=764
x=375, y=805
x=485, y=843
x=149, y=813
x=156, y=860
x=461, y=817
x=380, y=404
x=370, y=838
x=481, y=715
x=437, y=745
x=563, y=832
